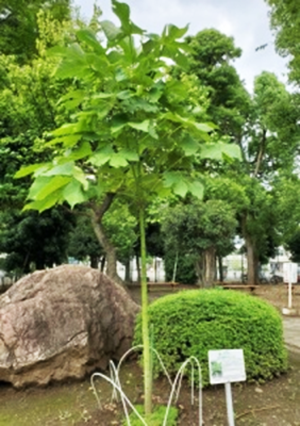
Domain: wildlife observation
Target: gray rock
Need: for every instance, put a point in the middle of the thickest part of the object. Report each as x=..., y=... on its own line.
x=62, y=323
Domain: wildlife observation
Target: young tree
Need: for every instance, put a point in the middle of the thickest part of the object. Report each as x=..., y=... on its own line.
x=133, y=133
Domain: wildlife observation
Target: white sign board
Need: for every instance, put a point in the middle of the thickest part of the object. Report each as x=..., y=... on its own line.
x=290, y=272
x=226, y=366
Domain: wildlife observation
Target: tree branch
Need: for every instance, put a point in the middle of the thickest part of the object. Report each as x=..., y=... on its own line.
x=260, y=153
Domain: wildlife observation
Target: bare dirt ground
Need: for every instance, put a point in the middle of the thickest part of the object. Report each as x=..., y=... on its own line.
x=275, y=403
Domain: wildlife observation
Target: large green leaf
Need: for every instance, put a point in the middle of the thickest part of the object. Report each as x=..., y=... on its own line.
x=83, y=151
x=68, y=141
x=27, y=170
x=204, y=127
x=122, y=11
x=189, y=146
x=65, y=169
x=74, y=64
x=180, y=188
x=65, y=129
x=39, y=183
x=102, y=156
x=73, y=193
x=196, y=188
x=110, y=30
x=72, y=99
x=129, y=155
x=118, y=160
x=42, y=205
x=143, y=126
x=171, y=178
x=79, y=175
x=89, y=37
x=44, y=186
x=215, y=151
x=175, y=32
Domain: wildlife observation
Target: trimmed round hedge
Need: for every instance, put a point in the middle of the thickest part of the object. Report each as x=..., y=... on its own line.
x=193, y=322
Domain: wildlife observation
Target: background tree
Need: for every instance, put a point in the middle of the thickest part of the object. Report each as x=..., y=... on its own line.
x=211, y=60
x=19, y=24
x=265, y=128
x=199, y=230
x=34, y=242
x=28, y=109
x=83, y=244
x=285, y=21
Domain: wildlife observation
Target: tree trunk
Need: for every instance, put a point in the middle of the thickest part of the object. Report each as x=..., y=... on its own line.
x=221, y=271
x=127, y=271
x=102, y=265
x=199, y=266
x=138, y=268
x=155, y=270
x=94, y=260
x=252, y=259
x=252, y=262
x=210, y=266
x=97, y=214
x=175, y=268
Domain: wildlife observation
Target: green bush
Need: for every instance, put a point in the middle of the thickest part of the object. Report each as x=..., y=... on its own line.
x=195, y=321
x=156, y=418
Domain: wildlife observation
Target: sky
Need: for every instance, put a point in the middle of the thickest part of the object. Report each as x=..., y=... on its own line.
x=246, y=21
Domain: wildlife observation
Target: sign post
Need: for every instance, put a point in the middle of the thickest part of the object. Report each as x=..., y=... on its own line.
x=227, y=366
x=290, y=272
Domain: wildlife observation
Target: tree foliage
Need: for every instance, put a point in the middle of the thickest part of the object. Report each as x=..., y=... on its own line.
x=200, y=230
x=33, y=242
x=285, y=20
x=19, y=24
x=28, y=109
x=265, y=128
x=212, y=56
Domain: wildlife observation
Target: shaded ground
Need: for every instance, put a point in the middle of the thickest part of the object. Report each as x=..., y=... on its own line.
x=275, y=403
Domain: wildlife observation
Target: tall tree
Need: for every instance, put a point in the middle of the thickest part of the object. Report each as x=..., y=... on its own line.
x=28, y=110
x=212, y=57
x=200, y=229
x=264, y=126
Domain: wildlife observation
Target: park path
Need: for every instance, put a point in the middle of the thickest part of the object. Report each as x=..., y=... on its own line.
x=291, y=331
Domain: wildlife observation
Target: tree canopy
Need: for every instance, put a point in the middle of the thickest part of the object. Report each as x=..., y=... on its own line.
x=285, y=20
x=19, y=24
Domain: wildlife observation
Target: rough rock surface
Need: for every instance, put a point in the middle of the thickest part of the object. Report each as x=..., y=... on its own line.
x=62, y=323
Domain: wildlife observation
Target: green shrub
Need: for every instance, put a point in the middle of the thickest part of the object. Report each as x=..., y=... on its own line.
x=195, y=321
x=156, y=418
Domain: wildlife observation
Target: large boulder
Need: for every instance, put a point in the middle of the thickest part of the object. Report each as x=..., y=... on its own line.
x=62, y=323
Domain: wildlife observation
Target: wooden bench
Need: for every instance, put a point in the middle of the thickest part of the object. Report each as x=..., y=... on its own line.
x=250, y=287
x=160, y=285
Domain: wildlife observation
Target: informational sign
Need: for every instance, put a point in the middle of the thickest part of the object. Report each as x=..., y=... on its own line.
x=290, y=272
x=226, y=366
